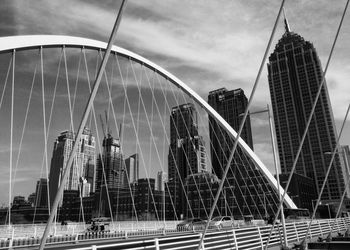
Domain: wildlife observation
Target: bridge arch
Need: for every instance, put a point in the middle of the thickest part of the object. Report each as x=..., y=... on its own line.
x=10, y=43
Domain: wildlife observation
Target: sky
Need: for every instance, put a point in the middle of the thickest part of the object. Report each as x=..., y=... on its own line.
x=207, y=44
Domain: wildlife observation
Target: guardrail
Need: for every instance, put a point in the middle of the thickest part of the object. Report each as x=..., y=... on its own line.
x=237, y=238
x=36, y=230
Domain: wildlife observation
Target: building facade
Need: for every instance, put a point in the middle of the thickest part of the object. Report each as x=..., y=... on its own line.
x=132, y=170
x=110, y=165
x=41, y=193
x=231, y=105
x=246, y=189
x=83, y=166
x=294, y=75
x=301, y=190
x=186, y=153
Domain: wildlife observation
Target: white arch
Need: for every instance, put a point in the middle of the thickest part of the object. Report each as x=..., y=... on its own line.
x=36, y=41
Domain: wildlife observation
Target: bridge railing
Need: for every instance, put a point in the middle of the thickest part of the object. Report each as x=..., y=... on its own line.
x=36, y=230
x=237, y=238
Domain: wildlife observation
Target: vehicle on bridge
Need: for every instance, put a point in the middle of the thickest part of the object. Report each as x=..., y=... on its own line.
x=221, y=222
x=296, y=214
x=191, y=224
x=100, y=224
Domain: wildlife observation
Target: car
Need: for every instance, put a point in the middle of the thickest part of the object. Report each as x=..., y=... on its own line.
x=191, y=224
x=220, y=222
x=99, y=224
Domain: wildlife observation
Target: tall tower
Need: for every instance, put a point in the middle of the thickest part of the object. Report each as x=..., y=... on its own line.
x=132, y=170
x=110, y=167
x=231, y=105
x=185, y=151
x=245, y=187
x=295, y=74
x=83, y=166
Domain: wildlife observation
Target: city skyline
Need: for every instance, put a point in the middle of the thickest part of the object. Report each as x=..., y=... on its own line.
x=235, y=73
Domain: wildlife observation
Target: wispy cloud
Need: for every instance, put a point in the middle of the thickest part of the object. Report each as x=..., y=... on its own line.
x=207, y=44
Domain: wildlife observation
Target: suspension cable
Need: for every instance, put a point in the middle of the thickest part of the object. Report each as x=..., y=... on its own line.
x=11, y=140
x=44, y=111
x=6, y=79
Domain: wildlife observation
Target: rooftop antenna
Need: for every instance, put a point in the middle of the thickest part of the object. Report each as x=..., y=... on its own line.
x=286, y=24
x=107, y=124
x=103, y=127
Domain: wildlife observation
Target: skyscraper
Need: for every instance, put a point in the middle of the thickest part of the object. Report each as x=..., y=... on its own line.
x=245, y=187
x=110, y=167
x=295, y=74
x=83, y=164
x=185, y=143
x=231, y=105
x=186, y=151
x=161, y=179
x=132, y=170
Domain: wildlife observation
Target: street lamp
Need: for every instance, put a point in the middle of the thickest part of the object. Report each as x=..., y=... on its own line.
x=329, y=211
x=264, y=196
x=276, y=161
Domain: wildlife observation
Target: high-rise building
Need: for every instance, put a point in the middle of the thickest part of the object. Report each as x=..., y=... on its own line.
x=161, y=179
x=246, y=188
x=231, y=105
x=185, y=143
x=83, y=164
x=41, y=195
x=186, y=152
x=295, y=74
x=132, y=170
x=110, y=165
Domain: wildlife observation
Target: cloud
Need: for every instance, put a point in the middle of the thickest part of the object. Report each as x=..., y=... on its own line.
x=207, y=44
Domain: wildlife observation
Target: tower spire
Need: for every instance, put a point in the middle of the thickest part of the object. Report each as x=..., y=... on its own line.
x=286, y=24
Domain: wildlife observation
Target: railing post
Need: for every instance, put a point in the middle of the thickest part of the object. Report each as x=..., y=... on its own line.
x=319, y=225
x=11, y=240
x=338, y=228
x=261, y=240
x=93, y=247
x=296, y=231
x=156, y=243
x=235, y=239
x=201, y=242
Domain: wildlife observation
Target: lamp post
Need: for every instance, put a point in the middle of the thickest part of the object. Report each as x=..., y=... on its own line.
x=276, y=161
x=265, y=207
x=163, y=186
x=329, y=211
